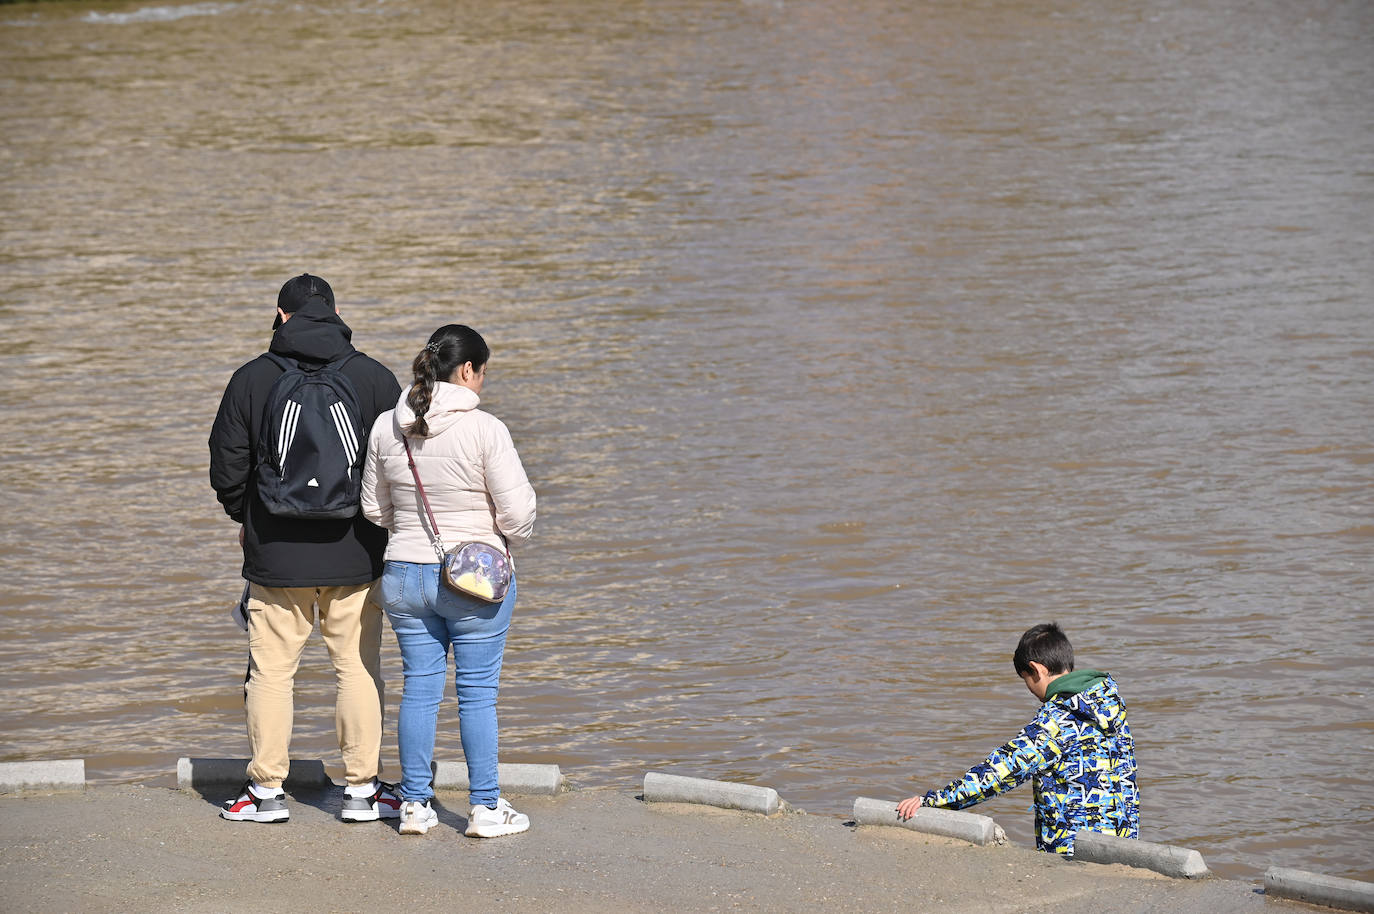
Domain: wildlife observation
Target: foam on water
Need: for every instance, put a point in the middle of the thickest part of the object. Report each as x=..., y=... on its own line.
x=158, y=13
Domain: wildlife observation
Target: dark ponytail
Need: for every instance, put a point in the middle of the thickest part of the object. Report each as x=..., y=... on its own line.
x=448, y=349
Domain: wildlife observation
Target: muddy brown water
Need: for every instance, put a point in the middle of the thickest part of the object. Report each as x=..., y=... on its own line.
x=841, y=342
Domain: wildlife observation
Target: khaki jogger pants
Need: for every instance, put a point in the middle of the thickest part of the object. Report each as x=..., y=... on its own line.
x=280, y=620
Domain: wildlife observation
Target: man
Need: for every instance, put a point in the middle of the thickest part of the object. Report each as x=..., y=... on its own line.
x=298, y=565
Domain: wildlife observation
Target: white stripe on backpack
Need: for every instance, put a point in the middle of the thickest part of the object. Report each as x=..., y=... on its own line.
x=345, y=430
x=290, y=415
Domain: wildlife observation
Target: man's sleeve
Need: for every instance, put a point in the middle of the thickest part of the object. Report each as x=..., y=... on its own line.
x=1032, y=750
x=386, y=391
x=231, y=457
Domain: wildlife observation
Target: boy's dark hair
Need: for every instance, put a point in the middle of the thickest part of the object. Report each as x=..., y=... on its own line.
x=1045, y=644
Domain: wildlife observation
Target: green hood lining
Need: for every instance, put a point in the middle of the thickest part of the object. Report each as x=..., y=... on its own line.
x=1072, y=683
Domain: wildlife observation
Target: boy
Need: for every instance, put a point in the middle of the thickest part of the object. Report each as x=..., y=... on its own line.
x=1078, y=750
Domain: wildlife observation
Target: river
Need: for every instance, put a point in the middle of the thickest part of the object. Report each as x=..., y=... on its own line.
x=841, y=342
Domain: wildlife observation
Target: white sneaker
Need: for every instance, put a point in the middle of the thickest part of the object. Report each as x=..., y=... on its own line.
x=493, y=823
x=417, y=818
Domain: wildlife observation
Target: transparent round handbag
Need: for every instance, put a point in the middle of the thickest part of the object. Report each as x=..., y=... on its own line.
x=478, y=570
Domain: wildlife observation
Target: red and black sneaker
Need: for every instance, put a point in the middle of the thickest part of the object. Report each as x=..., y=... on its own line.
x=249, y=807
x=383, y=803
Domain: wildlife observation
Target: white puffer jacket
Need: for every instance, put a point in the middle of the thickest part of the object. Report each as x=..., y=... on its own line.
x=472, y=475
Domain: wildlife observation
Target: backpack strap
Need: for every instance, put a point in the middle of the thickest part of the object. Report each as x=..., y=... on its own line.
x=343, y=360
x=280, y=361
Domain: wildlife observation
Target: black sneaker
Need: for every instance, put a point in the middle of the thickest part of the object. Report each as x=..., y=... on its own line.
x=249, y=807
x=382, y=804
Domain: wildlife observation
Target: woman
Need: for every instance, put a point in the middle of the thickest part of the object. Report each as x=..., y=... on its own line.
x=477, y=490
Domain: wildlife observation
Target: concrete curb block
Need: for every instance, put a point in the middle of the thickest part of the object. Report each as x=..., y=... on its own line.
x=69, y=772
x=195, y=773
x=1179, y=862
x=1314, y=888
x=516, y=780
x=672, y=788
x=948, y=823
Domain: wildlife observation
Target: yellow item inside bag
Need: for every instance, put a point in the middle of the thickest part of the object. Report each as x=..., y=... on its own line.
x=474, y=584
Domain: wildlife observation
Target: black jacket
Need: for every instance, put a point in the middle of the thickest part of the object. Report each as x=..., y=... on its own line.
x=290, y=552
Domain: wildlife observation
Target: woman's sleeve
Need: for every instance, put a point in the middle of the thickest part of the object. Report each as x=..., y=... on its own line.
x=509, y=488
x=1034, y=749
x=376, y=499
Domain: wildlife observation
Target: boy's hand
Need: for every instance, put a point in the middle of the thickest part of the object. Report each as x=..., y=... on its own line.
x=907, y=808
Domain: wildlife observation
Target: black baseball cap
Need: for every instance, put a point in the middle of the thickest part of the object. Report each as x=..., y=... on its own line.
x=299, y=291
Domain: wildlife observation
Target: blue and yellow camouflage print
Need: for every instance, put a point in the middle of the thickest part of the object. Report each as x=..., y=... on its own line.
x=1079, y=752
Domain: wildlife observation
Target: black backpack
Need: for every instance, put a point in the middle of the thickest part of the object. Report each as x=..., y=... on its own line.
x=311, y=443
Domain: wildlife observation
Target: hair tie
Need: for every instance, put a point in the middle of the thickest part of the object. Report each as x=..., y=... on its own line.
x=432, y=347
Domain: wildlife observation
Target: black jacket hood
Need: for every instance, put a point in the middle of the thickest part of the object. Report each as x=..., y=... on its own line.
x=315, y=333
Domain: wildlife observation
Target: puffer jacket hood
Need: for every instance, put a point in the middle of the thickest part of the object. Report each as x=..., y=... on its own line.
x=449, y=403
x=315, y=333
x=1100, y=706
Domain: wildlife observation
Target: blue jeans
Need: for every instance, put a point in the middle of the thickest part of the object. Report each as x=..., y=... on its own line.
x=428, y=617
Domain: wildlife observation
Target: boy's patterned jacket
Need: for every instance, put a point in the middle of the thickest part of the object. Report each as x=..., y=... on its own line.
x=1080, y=754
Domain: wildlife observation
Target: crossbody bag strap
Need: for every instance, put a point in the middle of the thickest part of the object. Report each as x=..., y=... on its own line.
x=436, y=541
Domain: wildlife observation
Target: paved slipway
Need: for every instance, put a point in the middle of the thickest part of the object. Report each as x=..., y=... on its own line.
x=133, y=848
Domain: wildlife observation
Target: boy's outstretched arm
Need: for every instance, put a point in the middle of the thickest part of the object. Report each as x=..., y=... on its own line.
x=1035, y=748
